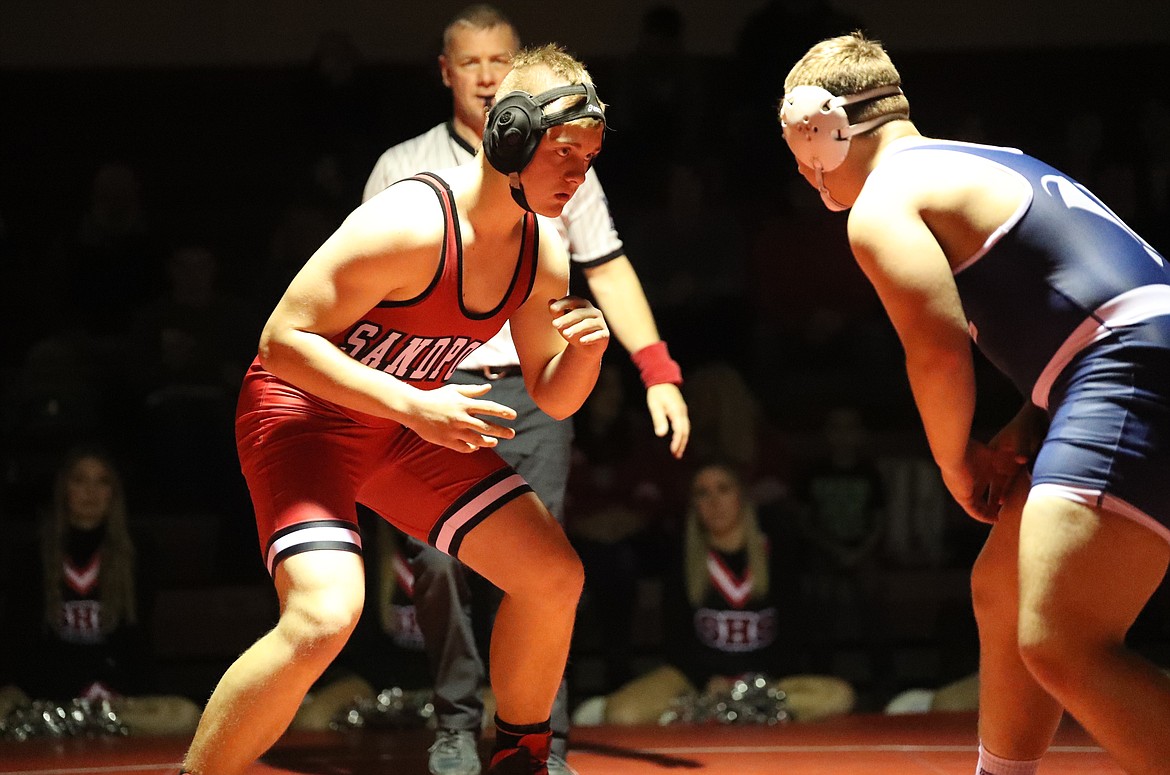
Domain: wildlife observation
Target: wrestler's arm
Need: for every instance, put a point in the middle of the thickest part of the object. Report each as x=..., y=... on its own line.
x=385, y=249
x=911, y=274
x=560, y=339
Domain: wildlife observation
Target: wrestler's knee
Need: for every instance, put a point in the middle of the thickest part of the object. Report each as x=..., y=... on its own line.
x=990, y=598
x=525, y=553
x=1058, y=657
x=571, y=577
x=557, y=577
x=320, y=620
x=323, y=622
x=994, y=594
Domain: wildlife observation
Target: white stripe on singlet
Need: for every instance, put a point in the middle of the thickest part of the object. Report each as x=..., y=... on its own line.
x=321, y=534
x=1102, y=500
x=472, y=509
x=1133, y=306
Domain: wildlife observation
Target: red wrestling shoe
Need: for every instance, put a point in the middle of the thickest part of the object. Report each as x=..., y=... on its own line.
x=529, y=758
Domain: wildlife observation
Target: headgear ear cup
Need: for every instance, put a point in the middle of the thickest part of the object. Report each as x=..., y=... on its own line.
x=513, y=131
x=812, y=119
x=517, y=122
x=817, y=129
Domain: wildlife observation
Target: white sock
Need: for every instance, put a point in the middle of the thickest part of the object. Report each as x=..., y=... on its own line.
x=990, y=764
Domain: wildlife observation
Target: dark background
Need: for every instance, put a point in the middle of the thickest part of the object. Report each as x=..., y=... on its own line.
x=221, y=110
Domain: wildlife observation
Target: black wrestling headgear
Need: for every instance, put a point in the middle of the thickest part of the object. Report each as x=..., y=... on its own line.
x=517, y=122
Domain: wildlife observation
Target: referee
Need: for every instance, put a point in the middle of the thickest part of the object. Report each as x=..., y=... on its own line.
x=478, y=45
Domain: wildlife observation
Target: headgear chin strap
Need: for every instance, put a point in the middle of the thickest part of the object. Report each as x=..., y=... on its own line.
x=818, y=131
x=518, y=121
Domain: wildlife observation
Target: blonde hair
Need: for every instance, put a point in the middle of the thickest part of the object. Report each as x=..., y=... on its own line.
x=539, y=68
x=849, y=64
x=697, y=546
x=116, y=575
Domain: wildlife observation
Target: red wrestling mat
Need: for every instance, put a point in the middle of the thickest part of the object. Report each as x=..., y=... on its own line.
x=931, y=744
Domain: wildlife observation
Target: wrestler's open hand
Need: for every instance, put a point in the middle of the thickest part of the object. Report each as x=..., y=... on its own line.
x=453, y=416
x=580, y=323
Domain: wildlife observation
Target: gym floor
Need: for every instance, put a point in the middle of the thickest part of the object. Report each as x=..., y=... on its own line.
x=927, y=744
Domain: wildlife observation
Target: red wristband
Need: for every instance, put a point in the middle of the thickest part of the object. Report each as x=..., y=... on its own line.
x=655, y=365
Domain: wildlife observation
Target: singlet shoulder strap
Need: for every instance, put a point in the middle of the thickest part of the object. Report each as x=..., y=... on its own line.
x=452, y=241
x=529, y=257
x=447, y=201
x=453, y=244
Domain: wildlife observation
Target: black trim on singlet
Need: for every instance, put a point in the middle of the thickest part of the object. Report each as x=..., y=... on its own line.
x=491, y=480
x=451, y=221
x=307, y=546
x=480, y=487
x=313, y=523
x=442, y=248
x=314, y=546
x=535, y=255
x=484, y=513
x=525, y=228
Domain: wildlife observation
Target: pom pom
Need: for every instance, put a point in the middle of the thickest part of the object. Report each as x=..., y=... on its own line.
x=751, y=699
x=393, y=708
x=76, y=718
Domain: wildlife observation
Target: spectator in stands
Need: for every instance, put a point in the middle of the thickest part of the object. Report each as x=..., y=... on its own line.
x=769, y=41
x=733, y=609
x=85, y=634
x=62, y=390
x=661, y=84
x=341, y=115
x=843, y=495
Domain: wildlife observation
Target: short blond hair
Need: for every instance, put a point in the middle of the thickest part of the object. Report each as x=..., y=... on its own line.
x=537, y=69
x=849, y=64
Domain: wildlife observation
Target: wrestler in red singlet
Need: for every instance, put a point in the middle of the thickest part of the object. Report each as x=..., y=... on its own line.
x=307, y=460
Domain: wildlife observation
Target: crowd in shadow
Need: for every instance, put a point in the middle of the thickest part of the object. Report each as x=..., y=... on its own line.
x=142, y=260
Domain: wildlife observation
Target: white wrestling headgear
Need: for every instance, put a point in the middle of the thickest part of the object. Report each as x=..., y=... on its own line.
x=817, y=129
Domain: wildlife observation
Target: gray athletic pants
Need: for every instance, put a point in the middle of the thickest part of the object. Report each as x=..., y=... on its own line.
x=446, y=594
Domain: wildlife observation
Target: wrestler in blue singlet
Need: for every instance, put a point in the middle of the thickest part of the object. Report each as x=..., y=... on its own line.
x=1074, y=307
